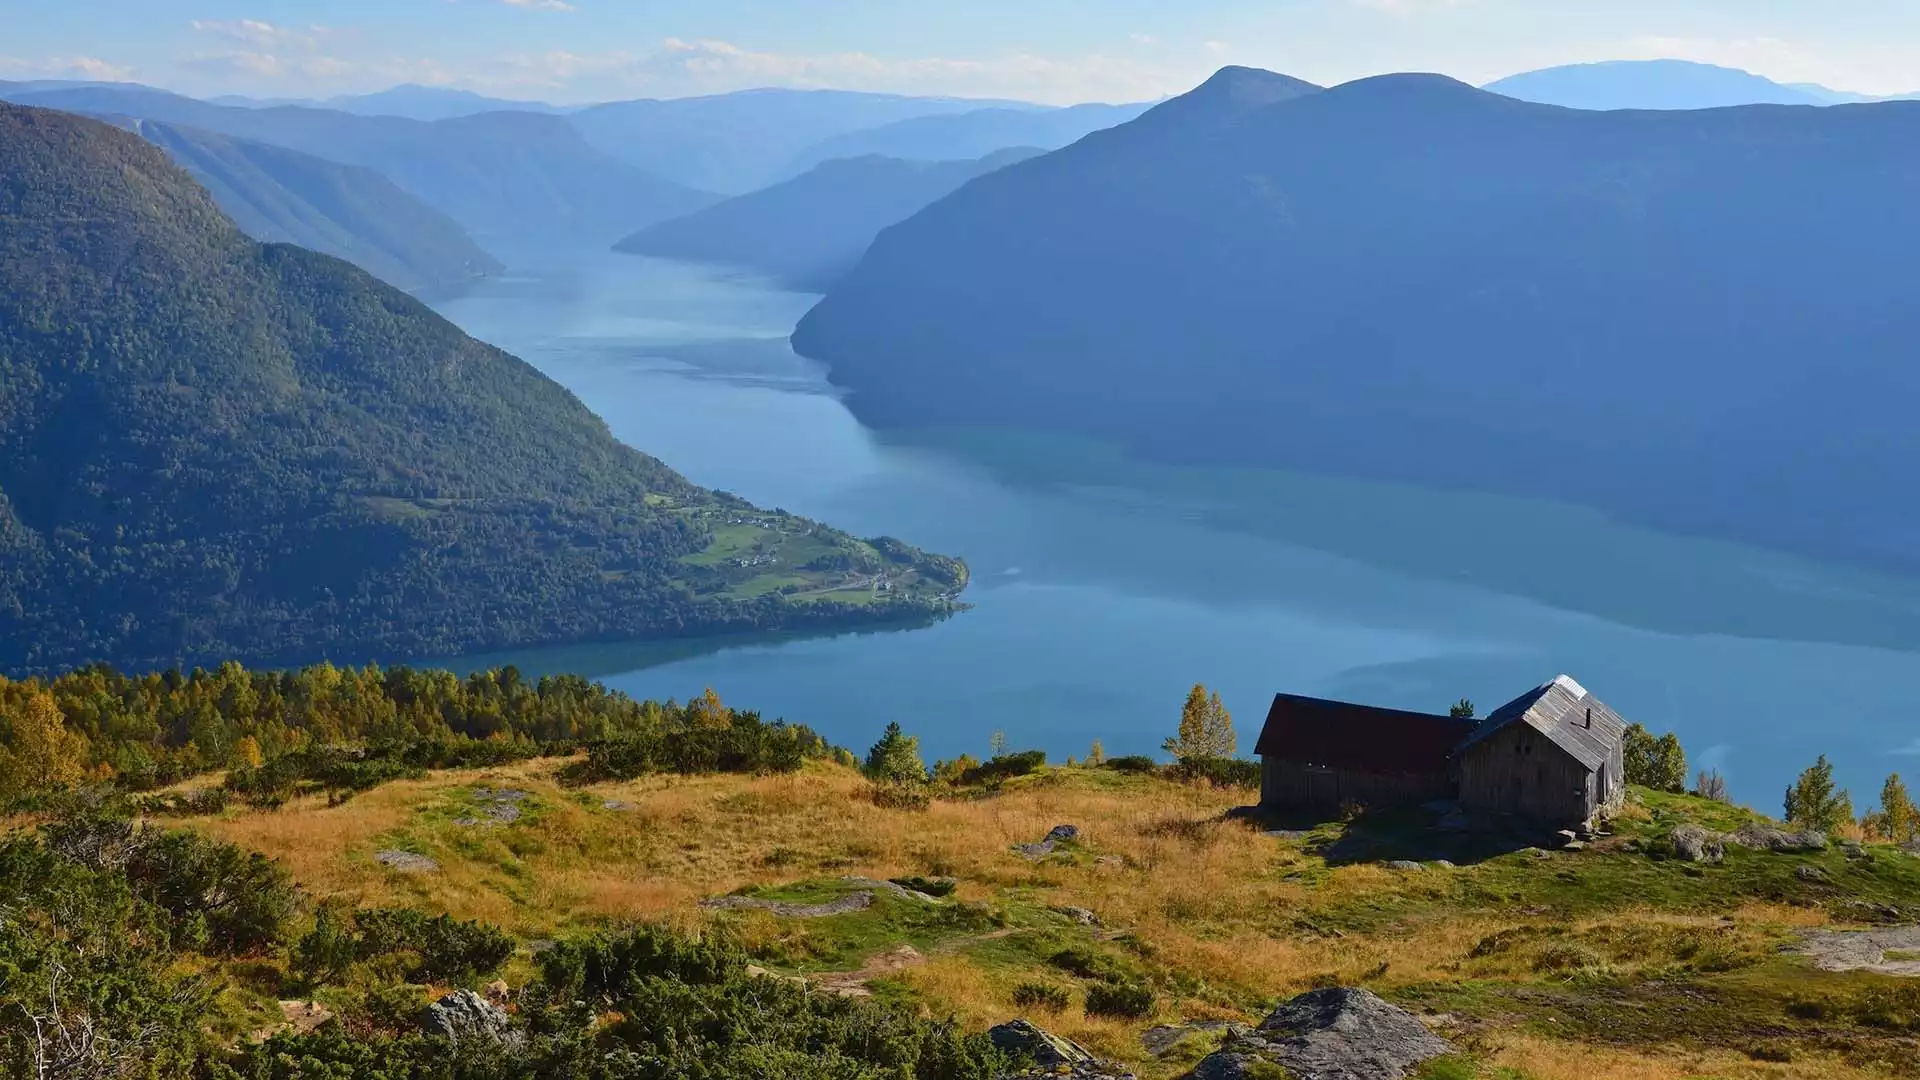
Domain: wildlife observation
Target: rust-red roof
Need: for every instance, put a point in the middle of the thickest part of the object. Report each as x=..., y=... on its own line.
x=1343, y=735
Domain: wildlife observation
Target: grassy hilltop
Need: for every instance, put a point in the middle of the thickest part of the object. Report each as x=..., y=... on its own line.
x=367, y=841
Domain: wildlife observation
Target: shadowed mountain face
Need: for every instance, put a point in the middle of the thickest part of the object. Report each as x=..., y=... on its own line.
x=969, y=135
x=212, y=448
x=283, y=196
x=1693, y=318
x=811, y=230
x=741, y=142
x=510, y=178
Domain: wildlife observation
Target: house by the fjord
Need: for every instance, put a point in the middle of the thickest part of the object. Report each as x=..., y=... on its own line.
x=1553, y=753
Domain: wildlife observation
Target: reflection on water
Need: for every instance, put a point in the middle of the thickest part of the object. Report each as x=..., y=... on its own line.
x=1105, y=587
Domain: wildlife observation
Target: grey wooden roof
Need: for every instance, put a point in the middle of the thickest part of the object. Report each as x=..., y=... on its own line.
x=1560, y=710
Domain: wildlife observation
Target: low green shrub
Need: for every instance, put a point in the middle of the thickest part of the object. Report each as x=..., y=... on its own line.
x=1122, y=1000
x=1003, y=767
x=895, y=795
x=1033, y=995
x=1133, y=763
x=1220, y=772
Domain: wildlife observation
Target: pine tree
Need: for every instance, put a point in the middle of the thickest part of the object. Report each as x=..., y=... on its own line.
x=1462, y=709
x=1897, y=820
x=895, y=759
x=1813, y=802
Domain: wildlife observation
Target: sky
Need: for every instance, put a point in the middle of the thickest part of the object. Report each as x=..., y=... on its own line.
x=1059, y=51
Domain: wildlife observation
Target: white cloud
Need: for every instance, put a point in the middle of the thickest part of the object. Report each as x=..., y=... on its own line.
x=86, y=68
x=681, y=66
x=1912, y=749
x=266, y=51
x=541, y=5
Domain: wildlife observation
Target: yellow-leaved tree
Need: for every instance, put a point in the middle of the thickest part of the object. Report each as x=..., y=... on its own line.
x=1206, y=728
x=40, y=753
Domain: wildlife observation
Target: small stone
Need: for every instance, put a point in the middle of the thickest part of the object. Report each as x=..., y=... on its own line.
x=1063, y=834
x=1080, y=915
x=1809, y=873
x=1404, y=864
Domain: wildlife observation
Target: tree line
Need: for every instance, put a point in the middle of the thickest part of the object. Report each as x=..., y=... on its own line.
x=345, y=728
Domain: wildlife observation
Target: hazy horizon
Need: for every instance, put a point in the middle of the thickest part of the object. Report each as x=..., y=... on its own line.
x=570, y=52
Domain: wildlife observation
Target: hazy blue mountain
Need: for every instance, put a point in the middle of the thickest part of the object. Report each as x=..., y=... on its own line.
x=410, y=100
x=278, y=195
x=809, y=231
x=1697, y=319
x=741, y=142
x=1654, y=84
x=212, y=448
x=510, y=178
x=968, y=135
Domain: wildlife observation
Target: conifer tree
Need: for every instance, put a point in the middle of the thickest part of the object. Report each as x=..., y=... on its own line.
x=1462, y=709
x=895, y=759
x=1813, y=802
x=1897, y=820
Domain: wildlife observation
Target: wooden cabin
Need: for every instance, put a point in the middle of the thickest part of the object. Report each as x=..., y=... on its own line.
x=1554, y=752
x=1551, y=754
x=1321, y=755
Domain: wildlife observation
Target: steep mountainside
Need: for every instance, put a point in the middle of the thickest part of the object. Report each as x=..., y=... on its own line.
x=741, y=142
x=510, y=178
x=811, y=230
x=1700, y=319
x=968, y=135
x=214, y=448
x=283, y=196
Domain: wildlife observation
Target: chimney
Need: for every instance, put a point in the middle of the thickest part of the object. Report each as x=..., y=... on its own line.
x=1589, y=718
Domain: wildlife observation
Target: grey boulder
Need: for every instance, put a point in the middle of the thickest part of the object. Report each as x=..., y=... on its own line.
x=1333, y=1034
x=464, y=1014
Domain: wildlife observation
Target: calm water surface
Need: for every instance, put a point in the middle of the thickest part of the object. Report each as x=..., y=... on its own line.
x=1103, y=588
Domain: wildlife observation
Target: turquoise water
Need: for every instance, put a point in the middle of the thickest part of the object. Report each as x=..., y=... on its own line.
x=1103, y=588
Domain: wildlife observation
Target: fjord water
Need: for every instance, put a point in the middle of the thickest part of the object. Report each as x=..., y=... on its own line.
x=1103, y=588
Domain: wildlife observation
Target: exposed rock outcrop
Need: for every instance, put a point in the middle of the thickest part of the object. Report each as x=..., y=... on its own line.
x=464, y=1014
x=1333, y=1034
x=1695, y=844
x=1053, y=1055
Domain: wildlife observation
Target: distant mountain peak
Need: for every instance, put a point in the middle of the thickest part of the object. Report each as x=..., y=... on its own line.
x=1653, y=84
x=1250, y=87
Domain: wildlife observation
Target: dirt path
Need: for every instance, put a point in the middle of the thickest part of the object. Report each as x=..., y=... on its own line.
x=1889, y=952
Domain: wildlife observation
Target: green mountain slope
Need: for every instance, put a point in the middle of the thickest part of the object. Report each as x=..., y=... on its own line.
x=283, y=196
x=211, y=447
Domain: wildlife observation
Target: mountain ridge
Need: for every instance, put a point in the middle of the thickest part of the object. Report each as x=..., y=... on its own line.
x=280, y=195
x=1415, y=258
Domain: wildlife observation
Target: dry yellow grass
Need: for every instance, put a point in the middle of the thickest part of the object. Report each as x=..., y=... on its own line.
x=1228, y=908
